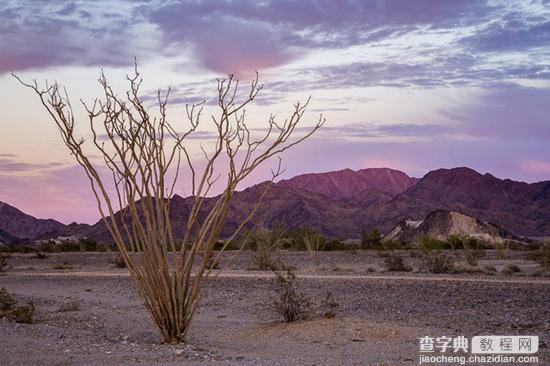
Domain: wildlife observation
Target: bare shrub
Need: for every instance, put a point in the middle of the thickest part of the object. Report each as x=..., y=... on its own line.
x=291, y=304
x=63, y=266
x=435, y=261
x=329, y=305
x=471, y=246
x=265, y=241
x=4, y=263
x=510, y=269
x=118, y=261
x=39, y=255
x=313, y=242
x=146, y=156
x=14, y=311
x=395, y=263
x=69, y=306
x=6, y=300
x=542, y=256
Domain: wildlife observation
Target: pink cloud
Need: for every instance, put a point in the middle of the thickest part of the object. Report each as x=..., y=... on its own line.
x=535, y=166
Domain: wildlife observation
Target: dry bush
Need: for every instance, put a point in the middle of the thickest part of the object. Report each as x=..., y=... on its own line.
x=510, y=269
x=69, y=306
x=63, y=266
x=313, y=242
x=14, y=311
x=436, y=261
x=542, y=256
x=39, y=255
x=118, y=261
x=471, y=246
x=395, y=263
x=146, y=157
x=4, y=263
x=329, y=305
x=265, y=241
x=291, y=304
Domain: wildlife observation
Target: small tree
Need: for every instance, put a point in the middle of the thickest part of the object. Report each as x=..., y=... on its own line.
x=143, y=155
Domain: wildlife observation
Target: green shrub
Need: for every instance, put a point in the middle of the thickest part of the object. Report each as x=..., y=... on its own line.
x=473, y=250
x=87, y=245
x=372, y=240
x=393, y=245
x=313, y=242
x=428, y=243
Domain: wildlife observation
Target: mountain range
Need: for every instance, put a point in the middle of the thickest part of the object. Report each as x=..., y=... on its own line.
x=344, y=203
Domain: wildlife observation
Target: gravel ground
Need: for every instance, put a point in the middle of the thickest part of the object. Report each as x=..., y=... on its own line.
x=379, y=320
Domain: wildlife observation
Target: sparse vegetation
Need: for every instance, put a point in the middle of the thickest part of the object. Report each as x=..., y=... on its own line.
x=313, y=242
x=291, y=303
x=3, y=263
x=471, y=246
x=329, y=305
x=63, y=266
x=14, y=311
x=39, y=255
x=395, y=263
x=118, y=261
x=372, y=240
x=69, y=306
x=510, y=269
x=436, y=261
x=542, y=256
x=264, y=241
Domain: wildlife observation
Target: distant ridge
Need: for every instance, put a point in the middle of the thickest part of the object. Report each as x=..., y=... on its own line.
x=346, y=202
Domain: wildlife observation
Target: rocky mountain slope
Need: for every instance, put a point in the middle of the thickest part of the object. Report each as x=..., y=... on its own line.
x=21, y=225
x=348, y=183
x=441, y=224
x=340, y=204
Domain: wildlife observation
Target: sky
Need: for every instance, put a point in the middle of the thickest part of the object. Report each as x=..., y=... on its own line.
x=411, y=85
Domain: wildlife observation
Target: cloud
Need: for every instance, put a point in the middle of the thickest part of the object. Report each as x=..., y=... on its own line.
x=35, y=34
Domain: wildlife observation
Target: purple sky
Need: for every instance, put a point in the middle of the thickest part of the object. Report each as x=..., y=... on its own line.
x=412, y=85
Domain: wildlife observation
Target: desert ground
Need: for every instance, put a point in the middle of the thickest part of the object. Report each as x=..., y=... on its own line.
x=89, y=313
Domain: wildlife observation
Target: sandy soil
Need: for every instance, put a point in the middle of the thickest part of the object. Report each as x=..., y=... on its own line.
x=379, y=320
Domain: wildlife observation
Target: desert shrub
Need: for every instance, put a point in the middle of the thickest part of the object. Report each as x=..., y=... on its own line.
x=87, y=245
x=426, y=242
x=436, y=261
x=329, y=305
x=14, y=311
x=69, y=306
x=338, y=244
x=395, y=263
x=501, y=248
x=264, y=242
x=542, y=256
x=372, y=240
x=118, y=261
x=473, y=250
x=393, y=245
x=6, y=300
x=68, y=246
x=313, y=242
x=291, y=303
x=3, y=263
x=64, y=265
x=39, y=255
x=510, y=269
x=103, y=248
